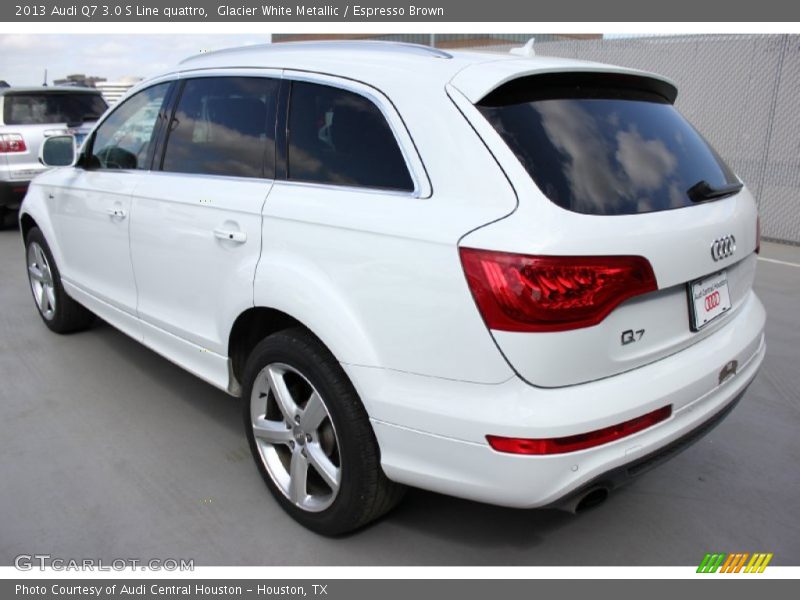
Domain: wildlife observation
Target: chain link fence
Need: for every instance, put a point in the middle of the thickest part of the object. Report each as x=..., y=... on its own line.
x=741, y=91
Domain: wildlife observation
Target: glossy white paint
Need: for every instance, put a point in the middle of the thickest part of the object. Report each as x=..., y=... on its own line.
x=418, y=418
x=192, y=281
x=388, y=261
x=90, y=210
x=377, y=277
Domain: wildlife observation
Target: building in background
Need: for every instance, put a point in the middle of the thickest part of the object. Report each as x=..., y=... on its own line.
x=79, y=80
x=114, y=90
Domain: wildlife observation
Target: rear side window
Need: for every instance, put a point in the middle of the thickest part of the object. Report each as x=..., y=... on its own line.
x=603, y=145
x=341, y=138
x=224, y=126
x=52, y=107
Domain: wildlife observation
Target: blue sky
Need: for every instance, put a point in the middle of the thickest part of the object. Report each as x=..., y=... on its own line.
x=23, y=58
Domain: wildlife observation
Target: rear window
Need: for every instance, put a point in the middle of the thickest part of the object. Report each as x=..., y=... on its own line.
x=53, y=107
x=604, y=145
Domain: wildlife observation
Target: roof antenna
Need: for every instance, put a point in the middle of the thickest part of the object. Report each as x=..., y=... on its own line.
x=44, y=84
x=526, y=50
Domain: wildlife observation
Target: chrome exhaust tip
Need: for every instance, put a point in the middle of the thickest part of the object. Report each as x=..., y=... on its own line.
x=587, y=500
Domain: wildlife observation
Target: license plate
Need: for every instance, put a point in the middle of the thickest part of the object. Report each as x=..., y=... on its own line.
x=708, y=299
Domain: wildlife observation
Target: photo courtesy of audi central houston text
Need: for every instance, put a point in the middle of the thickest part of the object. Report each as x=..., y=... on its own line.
x=513, y=279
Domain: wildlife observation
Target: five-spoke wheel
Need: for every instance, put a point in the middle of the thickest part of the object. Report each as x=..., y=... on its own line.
x=311, y=436
x=58, y=310
x=296, y=438
x=41, y=279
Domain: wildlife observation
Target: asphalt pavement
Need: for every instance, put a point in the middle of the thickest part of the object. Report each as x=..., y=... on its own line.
x=109, y=451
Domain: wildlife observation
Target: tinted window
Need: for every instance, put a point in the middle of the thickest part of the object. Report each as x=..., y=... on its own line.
x=125, y=138
x=604, y=150
x=341, y=138
x=52, y=107
x=224, y=126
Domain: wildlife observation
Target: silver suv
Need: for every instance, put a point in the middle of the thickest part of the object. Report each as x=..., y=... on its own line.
x=27, y=117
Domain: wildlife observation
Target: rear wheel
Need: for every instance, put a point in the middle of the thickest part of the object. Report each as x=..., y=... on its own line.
x=311, y=436
x=59, y=312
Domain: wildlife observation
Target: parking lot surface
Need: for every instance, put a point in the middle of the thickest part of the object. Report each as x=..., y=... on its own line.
x=110, y=451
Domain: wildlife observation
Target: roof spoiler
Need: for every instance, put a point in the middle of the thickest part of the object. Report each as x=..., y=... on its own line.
x=477, y=81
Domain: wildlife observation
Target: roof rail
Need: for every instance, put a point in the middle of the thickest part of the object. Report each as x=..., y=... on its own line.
x=372, y=45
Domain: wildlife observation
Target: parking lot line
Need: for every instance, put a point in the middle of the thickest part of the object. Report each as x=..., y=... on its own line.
x=779, y=262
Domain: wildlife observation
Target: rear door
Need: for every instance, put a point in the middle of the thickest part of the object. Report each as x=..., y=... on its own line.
x=196, y=228
x=632, y=239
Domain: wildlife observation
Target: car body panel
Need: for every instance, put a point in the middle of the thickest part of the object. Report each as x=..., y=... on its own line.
x=191, y=283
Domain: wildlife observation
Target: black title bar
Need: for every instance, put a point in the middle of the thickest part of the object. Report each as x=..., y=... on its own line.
x=414, y=11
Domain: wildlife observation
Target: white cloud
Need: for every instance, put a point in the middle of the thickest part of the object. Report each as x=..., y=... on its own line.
x=23, y=58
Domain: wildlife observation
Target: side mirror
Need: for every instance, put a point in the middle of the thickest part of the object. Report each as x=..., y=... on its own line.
x=58, y=151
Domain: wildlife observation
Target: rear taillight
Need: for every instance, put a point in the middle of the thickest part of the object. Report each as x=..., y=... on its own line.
x=582, y=441
x=517, y=292
x=12, y=142
x=758, y=234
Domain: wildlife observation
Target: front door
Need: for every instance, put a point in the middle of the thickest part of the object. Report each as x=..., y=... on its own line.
x=92, y=212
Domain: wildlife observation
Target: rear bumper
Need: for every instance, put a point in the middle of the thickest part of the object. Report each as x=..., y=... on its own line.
x=432, y=432
x=619, y=476
x=12, y=193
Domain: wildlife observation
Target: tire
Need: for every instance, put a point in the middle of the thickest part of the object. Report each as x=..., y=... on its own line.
x=3, y=216
x=59, y=312
x=322, y=428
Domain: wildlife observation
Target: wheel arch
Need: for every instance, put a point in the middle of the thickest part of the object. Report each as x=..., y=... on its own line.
x=35, y=212
x=252, y=326
x=26, y=223
x=334, y=331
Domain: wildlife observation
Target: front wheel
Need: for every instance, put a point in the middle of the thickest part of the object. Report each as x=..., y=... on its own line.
x=311, y=436
x=59, y=312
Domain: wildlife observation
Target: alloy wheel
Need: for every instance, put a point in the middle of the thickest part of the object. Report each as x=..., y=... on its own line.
x=41, y=279
x=295, y=437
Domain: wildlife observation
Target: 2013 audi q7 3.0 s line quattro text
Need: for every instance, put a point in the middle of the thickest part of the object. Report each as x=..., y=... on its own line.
x=517, y=280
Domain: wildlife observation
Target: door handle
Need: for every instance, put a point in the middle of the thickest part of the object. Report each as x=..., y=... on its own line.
x=230, y=235
x=116, y=212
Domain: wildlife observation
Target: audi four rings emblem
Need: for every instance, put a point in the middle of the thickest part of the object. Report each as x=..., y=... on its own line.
x=723, y=247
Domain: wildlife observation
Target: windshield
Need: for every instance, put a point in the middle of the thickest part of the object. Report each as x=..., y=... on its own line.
x=53, y=107
x=599, y=149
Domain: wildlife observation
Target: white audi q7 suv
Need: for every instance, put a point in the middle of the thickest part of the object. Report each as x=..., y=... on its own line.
x=521, y=281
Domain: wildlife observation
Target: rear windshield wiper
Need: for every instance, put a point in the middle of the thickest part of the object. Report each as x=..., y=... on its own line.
x=702, y=191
